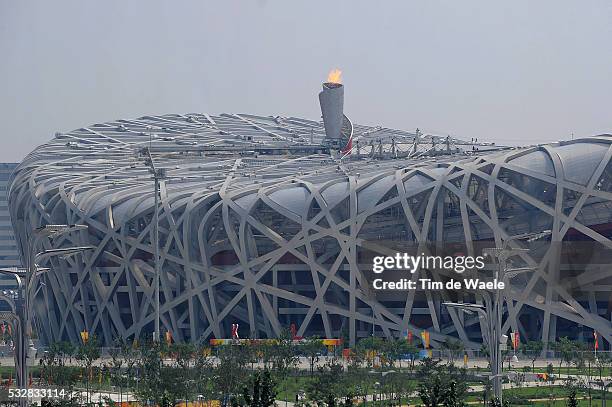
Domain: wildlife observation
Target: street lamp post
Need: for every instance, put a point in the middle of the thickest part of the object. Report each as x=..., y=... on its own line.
x=502, y=254
x=16, y=315
x=25, y=278
x=485, y=313
x=491, y=314
x=158, y=175
x=22, y=345
x=492, y=311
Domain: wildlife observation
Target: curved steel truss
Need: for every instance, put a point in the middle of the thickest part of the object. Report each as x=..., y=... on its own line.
x=258, y=227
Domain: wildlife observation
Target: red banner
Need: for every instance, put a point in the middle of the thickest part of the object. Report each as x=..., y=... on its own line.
x=515, y=340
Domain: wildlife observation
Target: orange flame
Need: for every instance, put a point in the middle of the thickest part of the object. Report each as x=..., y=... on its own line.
x=335, y=76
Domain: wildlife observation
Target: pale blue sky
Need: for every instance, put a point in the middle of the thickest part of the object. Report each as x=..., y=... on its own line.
x=518, y=71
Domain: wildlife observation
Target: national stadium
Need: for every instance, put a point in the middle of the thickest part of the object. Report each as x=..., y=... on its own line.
x=270, y=222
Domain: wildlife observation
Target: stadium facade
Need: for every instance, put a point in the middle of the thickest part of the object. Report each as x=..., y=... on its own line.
x=262, y=224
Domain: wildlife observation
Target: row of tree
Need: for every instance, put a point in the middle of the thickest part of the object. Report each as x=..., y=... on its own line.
x=250, y=374
x=162, y=373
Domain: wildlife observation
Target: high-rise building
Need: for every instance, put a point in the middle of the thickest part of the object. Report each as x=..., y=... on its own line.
x=9, y=255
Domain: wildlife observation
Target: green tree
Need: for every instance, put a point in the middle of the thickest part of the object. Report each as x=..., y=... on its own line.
x=371, y=345
x=53, y=365
x=453, y=397
x=260, y=390
x=130, y=356
x=602, y=361
x=312, y=348
x=327, y=385
x=230, y=372
x=356, y=377
x=393, y=350
x=55, y=372
x=566, y=349
x=440, y=384
x=432, y=392
x=533, y=349
x=184, y=358
x=86, y=354
x=572, y=401
x=452, y=347
x=115, y=368
x=159, y=384
x=204, y=372
x=283, y=355
x=549, y=376
x=486, y=391
x=584, y=357
x=413, y=351
x=259, y=351
x=401, y=386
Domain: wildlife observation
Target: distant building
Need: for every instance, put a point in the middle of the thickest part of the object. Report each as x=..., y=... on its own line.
x=9, y=255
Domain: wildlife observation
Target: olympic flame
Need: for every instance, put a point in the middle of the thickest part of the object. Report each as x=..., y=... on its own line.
x=335, y=76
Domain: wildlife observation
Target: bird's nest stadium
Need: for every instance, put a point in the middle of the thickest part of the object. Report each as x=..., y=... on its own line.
x=269, y=222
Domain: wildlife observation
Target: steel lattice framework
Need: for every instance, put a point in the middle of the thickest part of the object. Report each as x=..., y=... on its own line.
x=260, y=226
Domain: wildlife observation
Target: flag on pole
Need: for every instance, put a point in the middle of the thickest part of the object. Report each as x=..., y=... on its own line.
x=425, y=337
x=515, y=340
x=596, y=340
x=235, y=331
x=410, y=337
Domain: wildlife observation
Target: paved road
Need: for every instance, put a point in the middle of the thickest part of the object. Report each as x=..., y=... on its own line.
x=304, y=362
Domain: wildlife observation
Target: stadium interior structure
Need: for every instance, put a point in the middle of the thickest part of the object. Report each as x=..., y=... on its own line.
x=265, y=223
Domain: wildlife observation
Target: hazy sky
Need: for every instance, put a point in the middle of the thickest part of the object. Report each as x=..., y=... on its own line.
x=506, y=71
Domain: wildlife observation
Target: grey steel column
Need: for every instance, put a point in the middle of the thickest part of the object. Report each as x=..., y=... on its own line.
x=156, y=336
x=23, y=315
x=498, y=335
x=21, y=344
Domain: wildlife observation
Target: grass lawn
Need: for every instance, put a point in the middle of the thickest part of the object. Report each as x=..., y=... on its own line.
x=572, y=371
